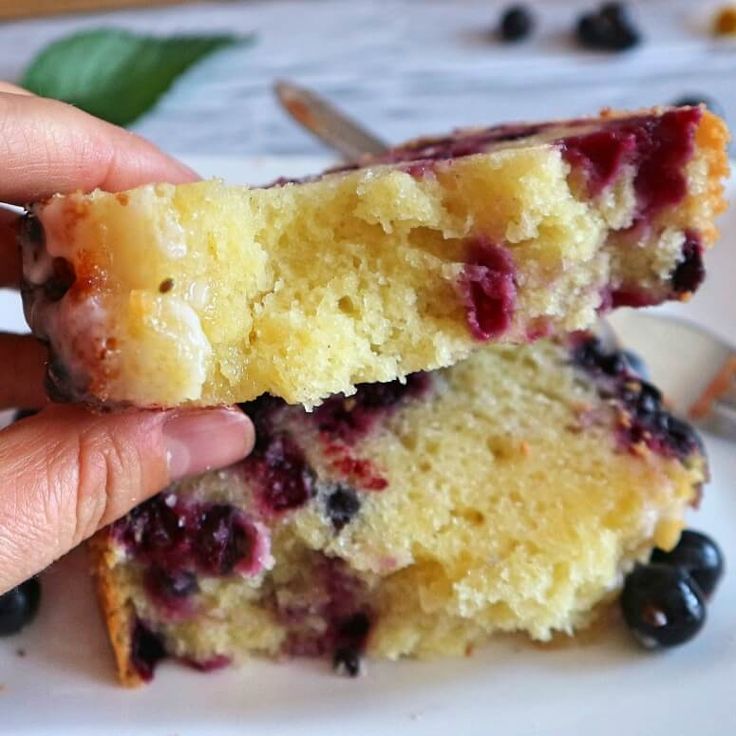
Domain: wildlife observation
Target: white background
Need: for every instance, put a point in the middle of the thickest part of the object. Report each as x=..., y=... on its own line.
x=404, y=67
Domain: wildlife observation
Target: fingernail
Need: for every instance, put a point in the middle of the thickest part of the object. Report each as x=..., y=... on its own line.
x=203, y=439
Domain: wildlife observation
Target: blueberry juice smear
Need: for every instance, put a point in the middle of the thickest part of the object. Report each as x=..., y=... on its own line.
x=488, y=290
x=658, y=148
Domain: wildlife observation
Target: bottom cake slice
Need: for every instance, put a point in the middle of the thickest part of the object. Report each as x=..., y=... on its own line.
x=511, y=492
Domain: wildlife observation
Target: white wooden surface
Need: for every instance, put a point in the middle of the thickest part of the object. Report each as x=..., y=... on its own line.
x=403, y=66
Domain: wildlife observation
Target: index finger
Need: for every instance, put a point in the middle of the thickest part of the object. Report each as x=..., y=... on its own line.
x=48, y=146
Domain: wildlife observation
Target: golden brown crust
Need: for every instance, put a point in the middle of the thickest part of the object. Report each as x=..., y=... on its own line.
x=116, y=610
x=712, y=139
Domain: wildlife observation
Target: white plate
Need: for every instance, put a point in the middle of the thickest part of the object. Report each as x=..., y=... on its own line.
x=64, y=683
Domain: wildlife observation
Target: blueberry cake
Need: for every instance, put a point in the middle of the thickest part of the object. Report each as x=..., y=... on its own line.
x=206, y=293
x=510, y=492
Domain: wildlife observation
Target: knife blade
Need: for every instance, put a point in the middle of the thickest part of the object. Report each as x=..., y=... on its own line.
x=327, y=123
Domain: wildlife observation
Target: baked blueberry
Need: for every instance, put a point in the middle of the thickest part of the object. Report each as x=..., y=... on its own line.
x=341, y=505
x=517, y=23
x=146, y=650
x=698, y=555
x=662, y=605
x=636, y=364
x=18, y=606
x=347, y=661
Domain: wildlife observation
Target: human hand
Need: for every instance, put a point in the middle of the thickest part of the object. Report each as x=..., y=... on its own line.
x=67, y=472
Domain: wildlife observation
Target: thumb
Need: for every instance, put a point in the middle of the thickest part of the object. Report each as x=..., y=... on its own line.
x=67, y=472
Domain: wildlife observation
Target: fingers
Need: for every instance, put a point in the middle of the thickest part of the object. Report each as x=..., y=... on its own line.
x=14, y=89
x=22, y=371
x=10, y=259
x=67, y=472
x=48, y=146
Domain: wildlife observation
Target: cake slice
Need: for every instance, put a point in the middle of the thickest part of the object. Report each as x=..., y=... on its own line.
x=207, y=293
x=508, y=493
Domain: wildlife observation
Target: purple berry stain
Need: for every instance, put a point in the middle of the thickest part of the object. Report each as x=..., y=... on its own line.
x=336, y=600
x=488, y=290
x=280, y=473
x=349, y=418
x=643, y=419
x=171, y=590
x=657, y=146
x=174, y=535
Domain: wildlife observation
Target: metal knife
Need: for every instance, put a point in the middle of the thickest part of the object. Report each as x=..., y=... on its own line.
x=327, y=123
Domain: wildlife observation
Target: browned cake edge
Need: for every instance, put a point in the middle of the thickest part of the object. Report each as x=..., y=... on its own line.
x=116, y=610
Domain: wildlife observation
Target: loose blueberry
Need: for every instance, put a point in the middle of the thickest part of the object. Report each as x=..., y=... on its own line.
x=699, y=556
x=662, y=606
x=517, y=23
x=19, y=606
x=610, y=29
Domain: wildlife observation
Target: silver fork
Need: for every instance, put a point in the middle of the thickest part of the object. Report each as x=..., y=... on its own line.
x=700, y=388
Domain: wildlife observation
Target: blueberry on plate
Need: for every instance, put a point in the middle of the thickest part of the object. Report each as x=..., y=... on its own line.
x=699, y=556
x=617, y=13
x=608, y=29
x=19, y=606
x=662, y=606
x=517, y=23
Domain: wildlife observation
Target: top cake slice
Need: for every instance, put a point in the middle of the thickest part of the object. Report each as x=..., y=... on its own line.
x=206, y=293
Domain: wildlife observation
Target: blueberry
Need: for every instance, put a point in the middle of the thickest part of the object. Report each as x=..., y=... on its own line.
x=650, y=400
x=699, y=556
x=147, y=649
x=635, y=364
x=517, y=23
x=662, y=605
x=616, y=13
x=613, y=364
x=610, y=29
x=690, y=271
x=341, y=506
x=19, y=606
x=347, y=661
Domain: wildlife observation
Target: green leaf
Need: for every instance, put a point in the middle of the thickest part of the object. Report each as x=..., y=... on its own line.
x=114, y=74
